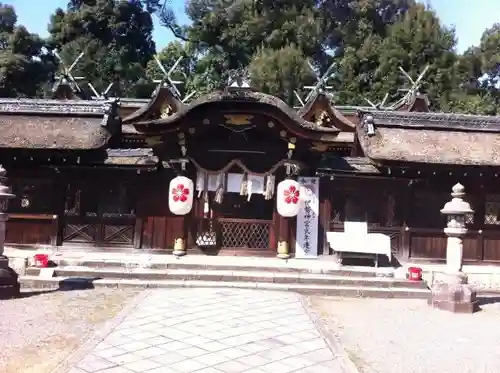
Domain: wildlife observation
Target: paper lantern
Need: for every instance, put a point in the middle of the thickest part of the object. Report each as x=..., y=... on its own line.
x=288, y=198
x=180, y=199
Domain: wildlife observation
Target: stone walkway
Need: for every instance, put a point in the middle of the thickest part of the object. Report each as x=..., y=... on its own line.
x=213, y=331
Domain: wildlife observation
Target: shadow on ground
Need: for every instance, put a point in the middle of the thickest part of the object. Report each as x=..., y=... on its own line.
x=484, y=300
x=74, y=283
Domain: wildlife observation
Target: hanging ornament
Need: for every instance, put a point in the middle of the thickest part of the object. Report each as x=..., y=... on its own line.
x=288, y=198
x=180, y=200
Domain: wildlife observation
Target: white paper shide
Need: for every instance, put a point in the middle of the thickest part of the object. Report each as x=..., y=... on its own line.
x=308, y=219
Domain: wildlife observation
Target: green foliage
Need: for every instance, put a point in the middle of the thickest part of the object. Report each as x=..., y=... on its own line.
x=228, y=35
x=280, y=72
x=116, y=34
x=367, y=39
x=23, y=65
x=415, y=41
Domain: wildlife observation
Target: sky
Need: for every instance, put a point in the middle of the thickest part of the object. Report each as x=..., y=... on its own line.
x=470, y=18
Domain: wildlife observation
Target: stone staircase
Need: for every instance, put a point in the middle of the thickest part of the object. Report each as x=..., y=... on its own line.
x=306, y=278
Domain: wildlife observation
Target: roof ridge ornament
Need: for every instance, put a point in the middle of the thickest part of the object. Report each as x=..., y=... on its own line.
x=239, y=79
x=321, y=86
x=414, y=89
x=169, y=83
x=380, y=105
x=104, y=95
x=66, y=78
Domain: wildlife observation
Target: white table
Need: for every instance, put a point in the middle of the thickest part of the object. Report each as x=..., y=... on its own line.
x=360, y=245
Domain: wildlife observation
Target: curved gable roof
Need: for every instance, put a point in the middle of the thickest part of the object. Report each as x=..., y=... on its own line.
x=244, y=101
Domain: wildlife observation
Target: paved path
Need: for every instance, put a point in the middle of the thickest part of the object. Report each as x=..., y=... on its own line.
x=214, y=331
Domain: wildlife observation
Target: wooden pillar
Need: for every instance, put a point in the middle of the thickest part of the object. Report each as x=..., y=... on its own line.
x=480, y=207
x=192, y=224
x=406, y=199
x=283, y=234
x=325, y=212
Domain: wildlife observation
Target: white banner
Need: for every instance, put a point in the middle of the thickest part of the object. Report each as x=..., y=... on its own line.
x=233, y=183
x=308, y=219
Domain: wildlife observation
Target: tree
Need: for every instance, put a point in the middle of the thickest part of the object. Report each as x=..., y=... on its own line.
x=478, y=77
x=24, y=67
x=488, y=52
x=280, y=72
x=350, y=22
x=116, y=37
x=227, y=35
x=418, y=39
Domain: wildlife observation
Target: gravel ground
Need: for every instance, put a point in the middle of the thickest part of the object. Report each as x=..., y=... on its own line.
x=41, y=329
x=394, y=336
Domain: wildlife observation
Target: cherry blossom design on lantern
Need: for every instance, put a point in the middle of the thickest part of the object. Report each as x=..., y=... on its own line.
x=180, y=193
x=292, y=195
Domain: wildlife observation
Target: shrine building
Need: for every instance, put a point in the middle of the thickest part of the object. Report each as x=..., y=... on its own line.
x=239, y=172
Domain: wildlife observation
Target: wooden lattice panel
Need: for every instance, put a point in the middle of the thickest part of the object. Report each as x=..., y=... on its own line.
x=492, y=210
x=80, y=233
x=118, y=234
x=245, y=234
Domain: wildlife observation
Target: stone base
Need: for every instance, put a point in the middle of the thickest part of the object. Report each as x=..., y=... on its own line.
x=283, y=256
x=179, y=252
x=454, y=295
x=9, y=285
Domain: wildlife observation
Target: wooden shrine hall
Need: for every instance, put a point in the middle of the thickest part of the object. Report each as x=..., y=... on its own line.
x=239, y=172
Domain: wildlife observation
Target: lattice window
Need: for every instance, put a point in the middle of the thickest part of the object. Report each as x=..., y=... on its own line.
x=492, y=209
x=469, y=218
x=241, y=234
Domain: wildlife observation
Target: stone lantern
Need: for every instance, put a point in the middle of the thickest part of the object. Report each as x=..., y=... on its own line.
x=452, y=293
x=9, y=285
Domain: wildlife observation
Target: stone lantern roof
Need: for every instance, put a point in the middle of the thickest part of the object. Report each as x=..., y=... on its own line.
x=457, y=206
x=5, y=192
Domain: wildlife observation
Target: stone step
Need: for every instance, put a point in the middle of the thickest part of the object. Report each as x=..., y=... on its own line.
x=261, y=266
x=65, y=283
x=230, y=276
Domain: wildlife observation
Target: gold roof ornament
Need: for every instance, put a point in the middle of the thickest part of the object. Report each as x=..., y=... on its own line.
x=166, y=111
x=322, y=118
x=238, y=119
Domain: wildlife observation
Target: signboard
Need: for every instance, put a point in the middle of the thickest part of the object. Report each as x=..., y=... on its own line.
x=308, y=219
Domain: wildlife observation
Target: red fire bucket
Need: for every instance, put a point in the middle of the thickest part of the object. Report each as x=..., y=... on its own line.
x=41, y=260
x=415, y=274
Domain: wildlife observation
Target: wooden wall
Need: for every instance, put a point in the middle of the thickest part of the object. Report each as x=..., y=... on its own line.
x=156, y=227
x=31, y=229
x=410, y=215
x=33, y=218
x=81, y=208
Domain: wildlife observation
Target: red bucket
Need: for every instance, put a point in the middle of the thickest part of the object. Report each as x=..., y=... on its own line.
x=41, y=260
x=415, y=274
